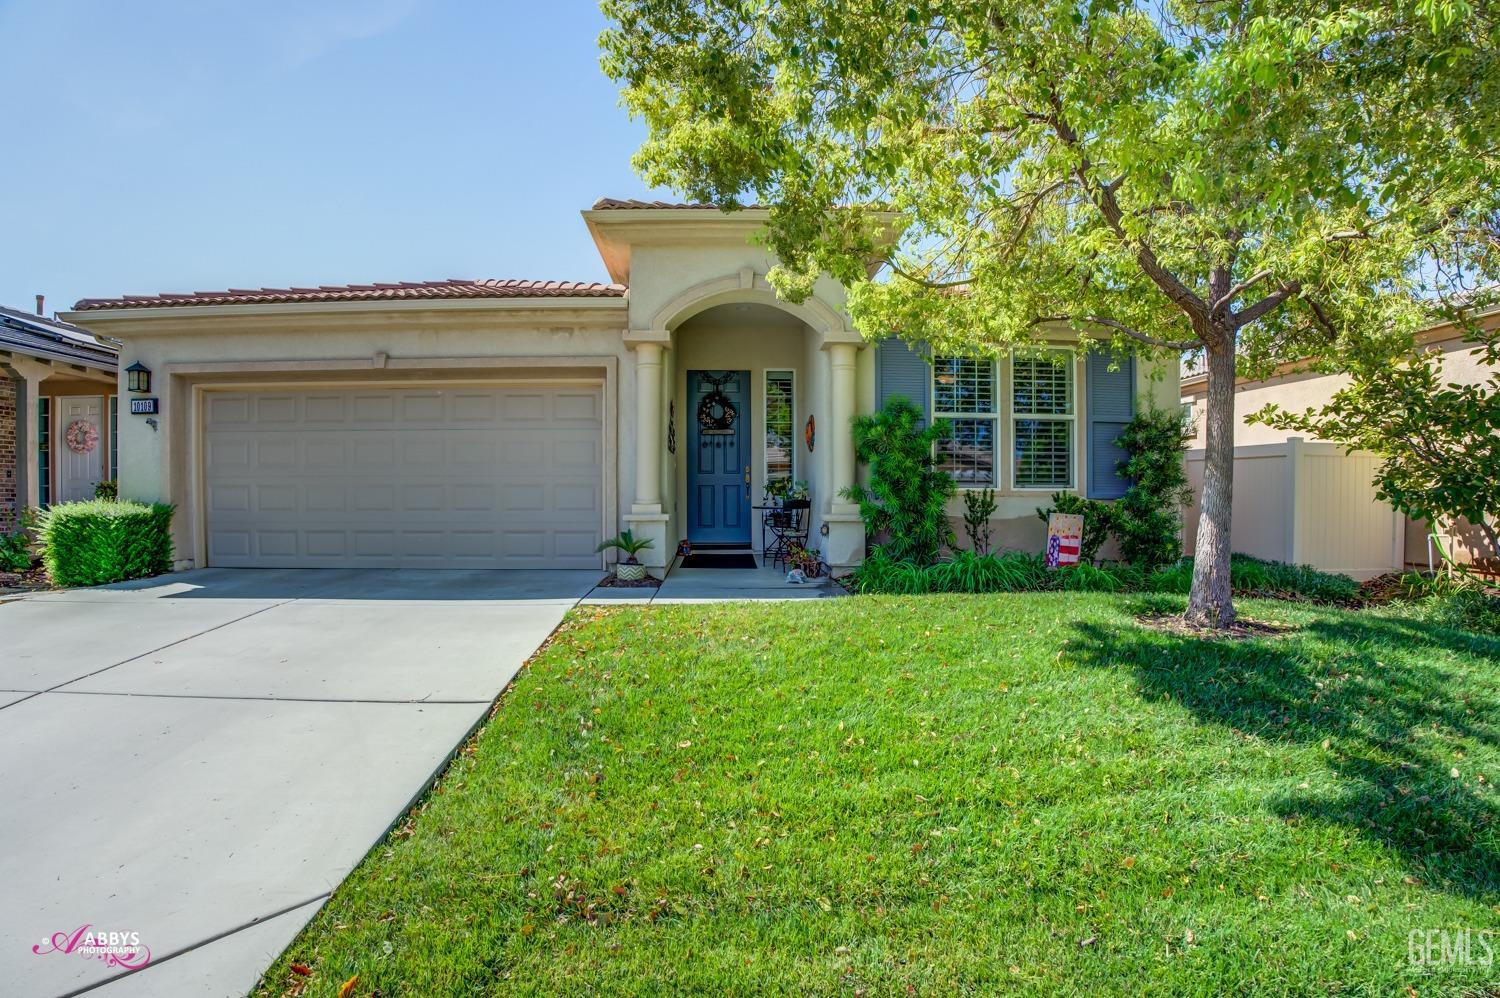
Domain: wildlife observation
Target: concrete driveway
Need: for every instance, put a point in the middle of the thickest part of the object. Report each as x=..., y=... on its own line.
x=201, y=758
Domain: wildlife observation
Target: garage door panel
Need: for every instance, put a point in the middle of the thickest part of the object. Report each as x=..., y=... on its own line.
x=499, y=478
x=577, y=407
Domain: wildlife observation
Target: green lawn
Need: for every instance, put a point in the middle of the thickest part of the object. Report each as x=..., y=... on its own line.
x=882, y=795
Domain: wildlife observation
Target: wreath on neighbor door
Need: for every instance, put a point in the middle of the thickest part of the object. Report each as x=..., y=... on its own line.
x=81, y=436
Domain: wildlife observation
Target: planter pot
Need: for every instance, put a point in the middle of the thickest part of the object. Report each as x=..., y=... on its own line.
x=626, y=572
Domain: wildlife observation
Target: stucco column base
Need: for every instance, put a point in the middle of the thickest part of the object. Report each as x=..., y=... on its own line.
x=652, y=526
x=844, y=547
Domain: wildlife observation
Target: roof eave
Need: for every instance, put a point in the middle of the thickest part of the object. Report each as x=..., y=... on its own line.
x=83, y=317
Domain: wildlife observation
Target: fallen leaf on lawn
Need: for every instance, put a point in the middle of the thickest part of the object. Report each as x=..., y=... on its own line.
x=1086, y=942
x=301, y=969
x=348, y=986
x=1128, y=862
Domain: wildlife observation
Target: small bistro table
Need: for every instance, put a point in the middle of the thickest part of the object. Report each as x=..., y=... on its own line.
x=781, y=526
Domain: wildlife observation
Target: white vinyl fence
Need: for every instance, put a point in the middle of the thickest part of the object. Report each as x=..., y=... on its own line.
x=1308, y=503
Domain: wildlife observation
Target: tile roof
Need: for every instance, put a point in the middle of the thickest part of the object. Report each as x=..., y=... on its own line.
x=38, y=336
x=606, y=204
x=398, y=291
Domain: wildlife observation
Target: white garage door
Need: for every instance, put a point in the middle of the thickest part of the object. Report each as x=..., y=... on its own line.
x=462, y=477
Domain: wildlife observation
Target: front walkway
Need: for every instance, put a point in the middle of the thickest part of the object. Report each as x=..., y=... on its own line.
x=202, y=757
x=719, y=585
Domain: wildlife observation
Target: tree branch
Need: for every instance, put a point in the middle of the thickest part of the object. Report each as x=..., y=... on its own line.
x=930, y=285
x=1134, y=334
x=1238, y=289
x=1245, y=316
x=1103, y=197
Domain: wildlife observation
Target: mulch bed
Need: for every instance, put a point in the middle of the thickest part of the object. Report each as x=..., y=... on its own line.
x=615, y=582
x=1242, y=629
x=32, y=580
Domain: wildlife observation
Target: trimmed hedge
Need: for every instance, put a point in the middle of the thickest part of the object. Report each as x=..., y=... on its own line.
x=101, y=540
x=1016, y=572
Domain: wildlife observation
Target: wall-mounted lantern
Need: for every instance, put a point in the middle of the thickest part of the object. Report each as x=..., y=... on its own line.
x=138, y=378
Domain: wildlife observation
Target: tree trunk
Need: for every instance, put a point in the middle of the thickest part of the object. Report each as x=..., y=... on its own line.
x=1210, y=602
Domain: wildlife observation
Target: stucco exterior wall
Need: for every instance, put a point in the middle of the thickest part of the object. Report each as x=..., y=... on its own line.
x=416, y=346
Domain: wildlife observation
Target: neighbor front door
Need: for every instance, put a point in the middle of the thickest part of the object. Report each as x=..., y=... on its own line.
x=79, y=443
x=718, y=473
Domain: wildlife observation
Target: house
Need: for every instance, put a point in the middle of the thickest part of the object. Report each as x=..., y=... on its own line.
x=513, y=424
x=1306, y=501
x=57, y=412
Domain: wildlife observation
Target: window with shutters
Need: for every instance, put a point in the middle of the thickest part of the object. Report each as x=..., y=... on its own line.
x=964, y=393
x=1044, y=419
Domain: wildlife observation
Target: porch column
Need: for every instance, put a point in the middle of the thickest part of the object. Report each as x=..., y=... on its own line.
x=844, y=530
x=841, y=409
x=647, y=518
x=28, y=382
x=648, y=428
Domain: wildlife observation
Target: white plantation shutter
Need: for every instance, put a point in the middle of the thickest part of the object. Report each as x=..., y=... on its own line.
x=1043, y=410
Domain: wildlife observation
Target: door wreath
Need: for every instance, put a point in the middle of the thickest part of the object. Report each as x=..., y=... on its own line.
x=716, y=414
x=81, y=436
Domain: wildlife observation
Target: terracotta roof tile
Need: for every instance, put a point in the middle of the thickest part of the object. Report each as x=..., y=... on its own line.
x=397, y=291
x=606, y=204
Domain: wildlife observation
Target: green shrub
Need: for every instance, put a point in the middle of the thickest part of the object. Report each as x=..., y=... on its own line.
x=1015, y=572
x=1086, y=578
x=1450, y=600
x=979, y=506
x=1147, y=519
x=1254, y=577
x=882, y=574
x=1467, y=608
x=97, y=541
x=967, y=572
x=1098, y=521
x=107, y=489
x=907, y=501
x=15, y=551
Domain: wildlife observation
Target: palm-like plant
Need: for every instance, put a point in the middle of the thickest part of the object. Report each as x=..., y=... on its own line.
x=629, y=544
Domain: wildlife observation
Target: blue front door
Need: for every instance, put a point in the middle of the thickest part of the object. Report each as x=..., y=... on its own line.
x=718, y=473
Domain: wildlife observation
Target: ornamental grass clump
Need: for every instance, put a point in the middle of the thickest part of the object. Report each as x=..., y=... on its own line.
x=102, y=540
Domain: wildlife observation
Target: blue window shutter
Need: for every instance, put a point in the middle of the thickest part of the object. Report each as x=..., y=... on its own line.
x=902, y=370
x=1111, y=404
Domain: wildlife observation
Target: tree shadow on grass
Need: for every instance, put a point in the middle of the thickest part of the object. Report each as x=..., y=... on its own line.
x=1390, y=710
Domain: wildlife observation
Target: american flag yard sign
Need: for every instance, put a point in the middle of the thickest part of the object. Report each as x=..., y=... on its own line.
x=1064, y=539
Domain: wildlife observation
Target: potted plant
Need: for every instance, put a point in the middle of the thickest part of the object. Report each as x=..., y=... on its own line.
x=630, y=545
x=782, y=491
x=808, y=560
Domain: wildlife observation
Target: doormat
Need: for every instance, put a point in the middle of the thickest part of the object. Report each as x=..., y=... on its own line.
x=719, y=559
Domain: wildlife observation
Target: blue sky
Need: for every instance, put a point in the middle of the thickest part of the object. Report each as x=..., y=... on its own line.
x=161, y=146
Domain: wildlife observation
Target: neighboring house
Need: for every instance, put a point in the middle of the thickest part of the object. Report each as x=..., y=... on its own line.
x=1307, y=501
x=57, y=412
x=513, y=424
